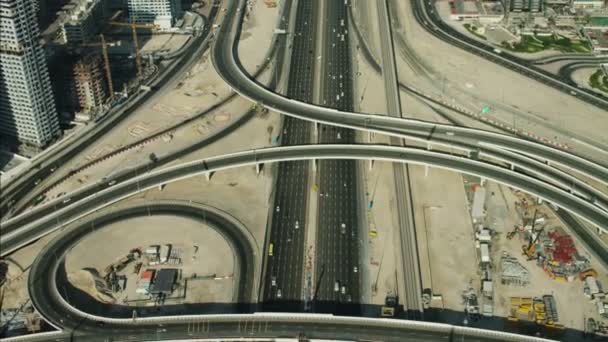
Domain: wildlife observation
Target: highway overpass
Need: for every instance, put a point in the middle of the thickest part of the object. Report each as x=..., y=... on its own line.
x=99, y=195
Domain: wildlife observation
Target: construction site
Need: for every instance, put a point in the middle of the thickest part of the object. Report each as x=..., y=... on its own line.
x=159, y=271
x=104, y=56
x=531, y=267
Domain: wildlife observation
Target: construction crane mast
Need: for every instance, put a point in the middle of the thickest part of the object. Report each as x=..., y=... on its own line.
x=531, y=248
x=106, y=60
x=134, y=26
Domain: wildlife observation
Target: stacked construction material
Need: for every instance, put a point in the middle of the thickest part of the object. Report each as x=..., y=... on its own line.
x=513, y=273
x=521, y=308
x=145, y=281
x=562, y=261
x=564, y=250
x=551, y=308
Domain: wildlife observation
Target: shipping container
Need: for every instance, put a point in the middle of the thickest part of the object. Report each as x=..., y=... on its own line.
x=485, y=253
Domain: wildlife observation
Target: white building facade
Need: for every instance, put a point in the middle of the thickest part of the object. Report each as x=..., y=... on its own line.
x=163, y=13
x=27, y=106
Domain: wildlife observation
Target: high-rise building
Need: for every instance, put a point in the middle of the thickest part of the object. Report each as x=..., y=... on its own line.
x=27, y=107
x=163, y=13
x=83, y=19
x=90, y=82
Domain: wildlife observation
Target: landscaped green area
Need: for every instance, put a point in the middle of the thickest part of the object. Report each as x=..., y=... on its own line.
x=599, y=81
x=474, y=30
x=536, y=43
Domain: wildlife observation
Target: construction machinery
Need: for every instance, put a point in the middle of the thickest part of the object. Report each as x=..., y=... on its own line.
x=587, y=273
x=134, y=26
x=106, y=60
x=531, y=248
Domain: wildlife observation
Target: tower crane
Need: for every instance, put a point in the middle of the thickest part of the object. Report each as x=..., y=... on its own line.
x=134, y=26
x=106, y=61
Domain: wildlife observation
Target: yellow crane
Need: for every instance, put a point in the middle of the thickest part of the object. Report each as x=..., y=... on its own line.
x=106, y=61
x=134, y=26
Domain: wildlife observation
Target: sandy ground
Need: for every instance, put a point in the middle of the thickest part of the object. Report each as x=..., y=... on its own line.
x=19, y=263
x=214, y=255
x=502, y=214
x=474, y=82
x=379, y=256
x=445, y=233
x=257, y=34
x=196, y=91
x=171, y=42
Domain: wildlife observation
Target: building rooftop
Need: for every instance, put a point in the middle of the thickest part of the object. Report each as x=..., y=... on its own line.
x=164, y=280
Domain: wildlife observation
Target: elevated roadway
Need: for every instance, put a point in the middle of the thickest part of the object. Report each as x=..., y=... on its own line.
x=229, y=68
x=16, y=188
x=401, y=174
x=96, y=196
x=48, y=300
x=49, y=269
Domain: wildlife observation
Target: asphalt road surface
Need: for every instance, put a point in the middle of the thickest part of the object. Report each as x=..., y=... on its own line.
x=283, y=277
x=405, y=212
x=337, y=245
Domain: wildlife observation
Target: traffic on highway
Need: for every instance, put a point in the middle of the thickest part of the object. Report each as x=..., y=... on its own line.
x=297, y=208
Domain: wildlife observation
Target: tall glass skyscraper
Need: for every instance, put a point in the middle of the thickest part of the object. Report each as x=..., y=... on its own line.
x=27, y=107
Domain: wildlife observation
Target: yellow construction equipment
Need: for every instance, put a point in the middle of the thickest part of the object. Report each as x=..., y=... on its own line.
x=134, y=26
x=588, y=273
x=106, y=60
x=531, y=248
x=539, y=311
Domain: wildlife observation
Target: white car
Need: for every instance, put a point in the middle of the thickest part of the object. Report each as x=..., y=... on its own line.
x=355, y=269
x=336, y=286
x=279, y=293
x=343, y=290
x=297, y=225
x=273, y=281
x=278, y=208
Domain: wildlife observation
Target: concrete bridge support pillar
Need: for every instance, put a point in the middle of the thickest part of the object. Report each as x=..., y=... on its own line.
x=371, y=164
x=482, y=182
x=314, y=165
x=539, y=200
x=429, y=147
x=258, y=168
x=208, y=175
x=316, y=125
x=426, y=170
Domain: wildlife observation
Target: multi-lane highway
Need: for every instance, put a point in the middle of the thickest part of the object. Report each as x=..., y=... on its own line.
x=337, y=241
x=283, y=272
x=427, y=132
x=99, y=195
x=331, y=151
